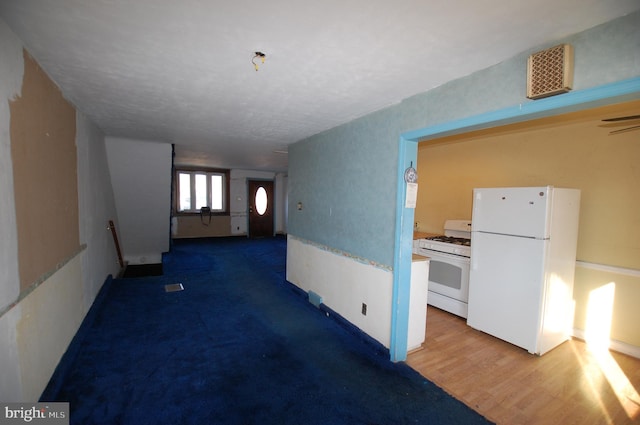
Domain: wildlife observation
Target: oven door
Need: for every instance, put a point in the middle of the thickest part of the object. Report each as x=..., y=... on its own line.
x=448, y=274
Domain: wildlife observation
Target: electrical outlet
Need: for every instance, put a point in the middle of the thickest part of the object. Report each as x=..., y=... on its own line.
x=364, y=309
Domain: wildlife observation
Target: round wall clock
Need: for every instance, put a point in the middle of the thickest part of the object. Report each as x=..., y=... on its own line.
x=410, y=175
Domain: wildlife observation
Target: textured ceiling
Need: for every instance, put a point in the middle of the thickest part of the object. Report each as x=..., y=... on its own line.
x=181, y=72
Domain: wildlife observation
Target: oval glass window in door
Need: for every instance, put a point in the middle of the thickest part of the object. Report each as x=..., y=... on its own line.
x=261, y=200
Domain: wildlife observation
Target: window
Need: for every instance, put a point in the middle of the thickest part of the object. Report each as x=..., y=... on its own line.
x=261, y=200
x=199, y=188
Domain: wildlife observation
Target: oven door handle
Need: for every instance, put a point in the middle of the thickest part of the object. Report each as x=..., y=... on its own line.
x=438, y=255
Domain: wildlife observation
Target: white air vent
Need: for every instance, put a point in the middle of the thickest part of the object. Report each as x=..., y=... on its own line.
x=550, y=72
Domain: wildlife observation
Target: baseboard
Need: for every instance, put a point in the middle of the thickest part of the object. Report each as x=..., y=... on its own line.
x=614, y=345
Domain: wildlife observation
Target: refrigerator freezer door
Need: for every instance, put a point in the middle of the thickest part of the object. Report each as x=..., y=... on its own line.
x=505, y=287
x=521, y=211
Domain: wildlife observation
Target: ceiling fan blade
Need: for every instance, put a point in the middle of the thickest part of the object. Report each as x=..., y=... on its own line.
x=630, y=117
x=620, y=124
x=624, y=130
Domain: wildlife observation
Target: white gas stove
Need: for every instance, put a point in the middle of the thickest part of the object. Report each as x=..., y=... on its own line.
x=449, y=268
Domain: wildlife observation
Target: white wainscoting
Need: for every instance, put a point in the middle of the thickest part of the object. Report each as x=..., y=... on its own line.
x=39, y=329
x=344, y=282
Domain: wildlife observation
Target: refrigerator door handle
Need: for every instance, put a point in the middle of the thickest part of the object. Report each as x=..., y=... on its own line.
x=474, y=263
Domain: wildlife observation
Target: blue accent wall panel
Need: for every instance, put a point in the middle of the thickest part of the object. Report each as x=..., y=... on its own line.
x=345, y=180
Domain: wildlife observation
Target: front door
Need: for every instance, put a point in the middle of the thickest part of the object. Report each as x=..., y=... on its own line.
x=260, y=208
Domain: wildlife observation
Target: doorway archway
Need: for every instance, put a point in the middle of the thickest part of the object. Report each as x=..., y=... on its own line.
x=407, y=155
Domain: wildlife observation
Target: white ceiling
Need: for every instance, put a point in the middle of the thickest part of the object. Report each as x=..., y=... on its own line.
x=181, y=72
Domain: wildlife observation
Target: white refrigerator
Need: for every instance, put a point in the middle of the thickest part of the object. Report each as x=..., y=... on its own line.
x=523, y=254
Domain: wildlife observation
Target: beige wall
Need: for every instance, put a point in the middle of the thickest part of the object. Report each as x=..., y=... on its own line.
x=194, y=226
x=577, y=154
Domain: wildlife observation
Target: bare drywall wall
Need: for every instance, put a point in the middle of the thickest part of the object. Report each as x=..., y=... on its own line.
x=43, y=151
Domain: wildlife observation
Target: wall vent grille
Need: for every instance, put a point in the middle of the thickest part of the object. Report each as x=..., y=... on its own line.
x=550, y=72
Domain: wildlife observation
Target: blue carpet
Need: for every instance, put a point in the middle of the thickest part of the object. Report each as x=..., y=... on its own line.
x=239, y=345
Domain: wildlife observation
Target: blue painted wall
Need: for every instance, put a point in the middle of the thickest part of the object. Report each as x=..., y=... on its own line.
x=346, y=177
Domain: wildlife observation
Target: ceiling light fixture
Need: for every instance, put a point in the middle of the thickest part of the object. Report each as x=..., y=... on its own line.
x=259, y=56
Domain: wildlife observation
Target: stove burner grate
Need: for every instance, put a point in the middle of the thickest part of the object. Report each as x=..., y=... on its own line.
x=451, y=240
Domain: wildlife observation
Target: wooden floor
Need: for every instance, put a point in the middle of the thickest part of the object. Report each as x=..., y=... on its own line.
x=569, y=385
